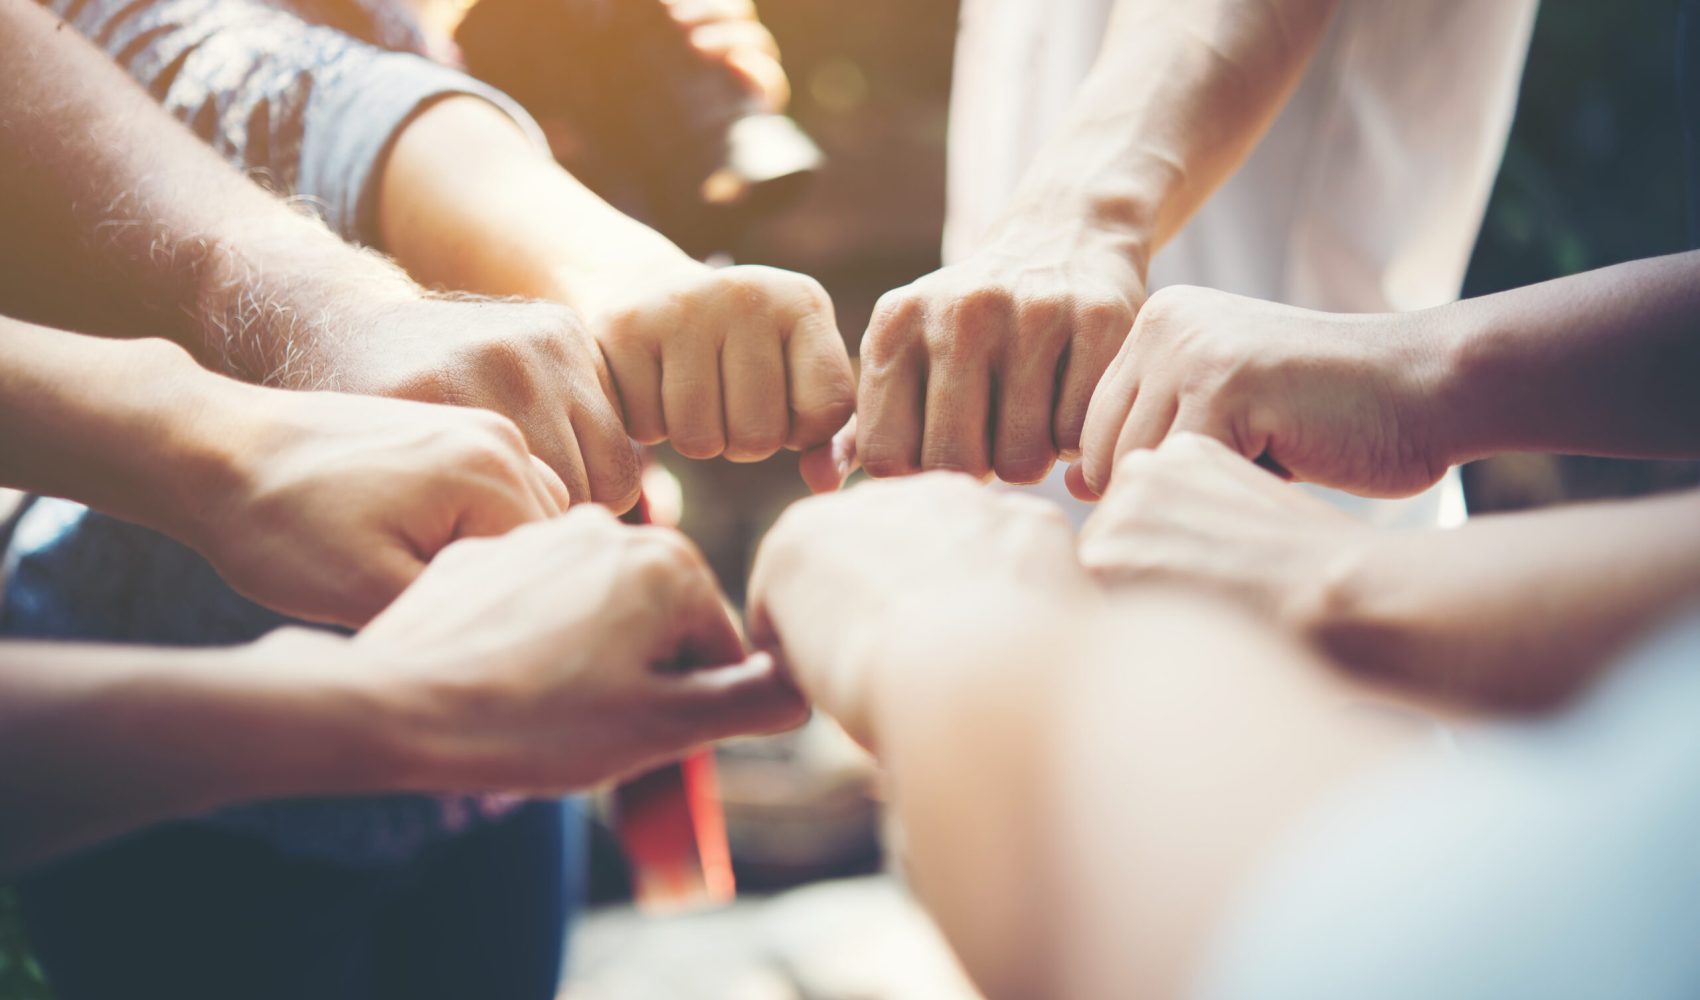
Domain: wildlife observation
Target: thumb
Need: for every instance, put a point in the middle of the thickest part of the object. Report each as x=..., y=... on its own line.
x=827, y=466
x=749, y=697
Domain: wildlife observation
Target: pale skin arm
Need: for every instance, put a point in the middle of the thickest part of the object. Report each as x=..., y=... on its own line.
x=1032, y=728
x=737, y=362
x=1179, y=95
x=1508, y=611
x=1601, y=363
x=563, y=655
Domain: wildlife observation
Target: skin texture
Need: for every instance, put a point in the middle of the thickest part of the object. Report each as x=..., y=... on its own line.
x=988, y=365
x=953, y=631
x=120, y=221
x=1508, y=612
x=320, y=505
x=736, y=362
x=563, y=655
x=1602, y=363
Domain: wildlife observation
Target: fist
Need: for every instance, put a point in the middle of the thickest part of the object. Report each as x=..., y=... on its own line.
x=330, y=504
x=572, y=652
x=1195, y=514
x=532, y=362
x=1334, y=399
x=836, y=572
x=737, y=362
x=988, y=366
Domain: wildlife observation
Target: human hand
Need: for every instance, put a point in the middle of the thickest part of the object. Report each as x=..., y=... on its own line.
x=1334, y=399
x=738, y=361
x=325, y=506
x=730, y=32
x=1194, y=513
x=532, y=362
x=837, y=573
x=569, y=653
x=988, y=365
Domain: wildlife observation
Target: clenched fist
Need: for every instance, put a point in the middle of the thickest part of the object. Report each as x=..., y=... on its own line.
x=987, y=366
x=570, y=653
x=737, y=362
x=1348, y=401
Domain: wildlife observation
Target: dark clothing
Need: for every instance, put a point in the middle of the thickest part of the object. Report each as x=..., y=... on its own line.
x=482, y=915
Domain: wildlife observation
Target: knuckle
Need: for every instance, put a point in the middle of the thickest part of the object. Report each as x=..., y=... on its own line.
x=980, y=319
x=1104, y=317
x=1046, y=313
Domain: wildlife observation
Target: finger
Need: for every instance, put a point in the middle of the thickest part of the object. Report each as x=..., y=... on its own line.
x=690, y=397
x=752, y=372
x=567, y=460
x=1149, y=421
x=1105, y=418
x=1075, y=480
x=613, y=474
x=552, y=494
x=702, y=626
x=497, y=511
x=825, y=468
x=749, y=697
x=1023, y=449
x=1090, y=354
x=959, y=410
x=636, y=377
x=720, y=36
x=892, y=397
x=819, y=380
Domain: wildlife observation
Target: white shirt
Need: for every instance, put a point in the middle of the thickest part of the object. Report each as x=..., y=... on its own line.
x=1366, y=195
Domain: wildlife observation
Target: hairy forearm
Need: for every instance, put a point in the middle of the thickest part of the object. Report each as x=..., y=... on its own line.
x=1601, y=363
x=99, y=740
x=1121, y=774
x=467, y=202
x=119, y=219
x=1178, y=97
x=1515, y=610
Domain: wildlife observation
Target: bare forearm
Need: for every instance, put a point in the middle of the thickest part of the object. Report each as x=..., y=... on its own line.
x=467, y=202
x=1178, y=97
x=132, y=428
x=1602, y=363
x=1515, y=610
x=1122, y=775
x=119, y=219
x=99, y=740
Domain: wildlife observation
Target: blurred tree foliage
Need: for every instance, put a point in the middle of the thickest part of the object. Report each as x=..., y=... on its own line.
x=20, y=976
x=1593, y=175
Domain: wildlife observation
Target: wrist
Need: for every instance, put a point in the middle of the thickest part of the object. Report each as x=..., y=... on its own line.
x=348, y=735
x=1346, y=609
x=164, y=450
x=633, y=267
x=1467, y=378
x=1119, y=255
